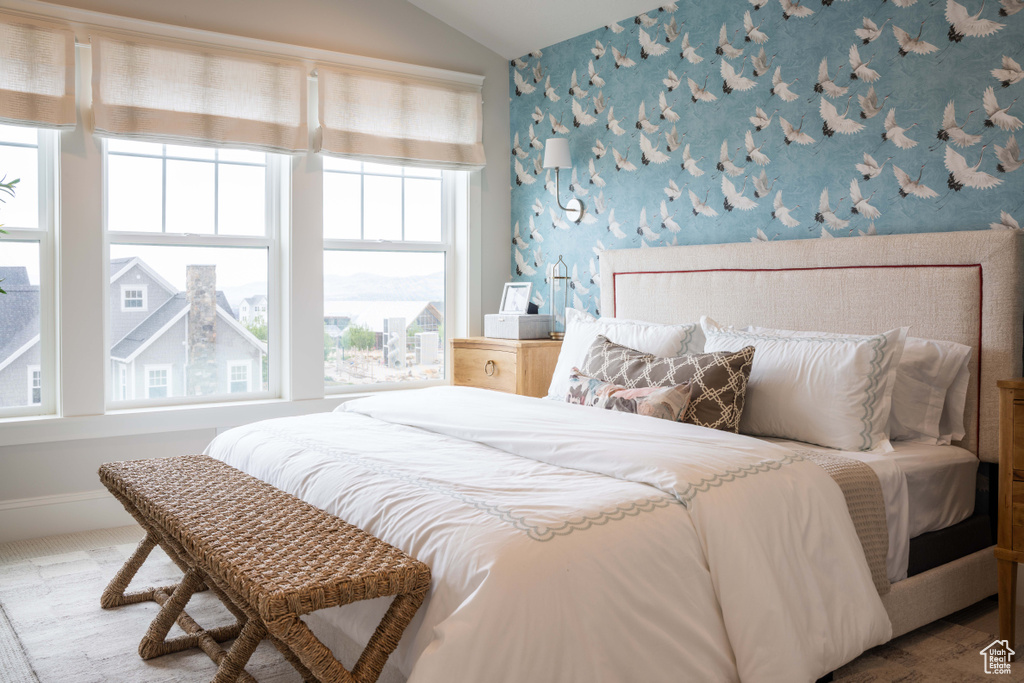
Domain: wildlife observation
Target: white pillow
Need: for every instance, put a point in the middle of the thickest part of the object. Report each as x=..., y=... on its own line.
x=832, y=390
x=582, y=329
x=926, y=373
x=951, y=426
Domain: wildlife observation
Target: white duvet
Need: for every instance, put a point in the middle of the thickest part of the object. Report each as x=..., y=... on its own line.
x=574, y=544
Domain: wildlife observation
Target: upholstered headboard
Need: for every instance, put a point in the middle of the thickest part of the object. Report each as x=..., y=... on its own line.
x=965, y=287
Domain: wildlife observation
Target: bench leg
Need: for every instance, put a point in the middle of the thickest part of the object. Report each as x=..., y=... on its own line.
x=320, y=660
x=385, y=639
x=114, y=595
x=196, y=635
x=154, y=642
x=233, y=664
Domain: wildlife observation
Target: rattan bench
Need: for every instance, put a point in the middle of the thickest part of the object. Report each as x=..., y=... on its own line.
x=268, y=556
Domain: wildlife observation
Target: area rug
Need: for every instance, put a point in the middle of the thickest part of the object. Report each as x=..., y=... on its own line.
x=57, y=632
x=52, y=629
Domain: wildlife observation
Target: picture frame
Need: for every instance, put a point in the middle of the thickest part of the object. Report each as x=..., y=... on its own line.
x=515, y=298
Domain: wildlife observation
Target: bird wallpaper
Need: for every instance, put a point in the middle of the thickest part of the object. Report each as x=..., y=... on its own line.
x=735, y=120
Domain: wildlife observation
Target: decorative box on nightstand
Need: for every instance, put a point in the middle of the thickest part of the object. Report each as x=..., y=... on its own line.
x=515, y=366
x=1010, y=540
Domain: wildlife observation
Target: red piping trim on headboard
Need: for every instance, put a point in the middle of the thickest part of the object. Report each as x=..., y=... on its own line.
x=981, y=297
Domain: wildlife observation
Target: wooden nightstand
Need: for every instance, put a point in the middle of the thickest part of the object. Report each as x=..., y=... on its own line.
x=1010, y=541
x=515, y=366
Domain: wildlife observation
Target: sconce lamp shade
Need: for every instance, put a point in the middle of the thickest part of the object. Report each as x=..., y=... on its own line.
x=556, y=153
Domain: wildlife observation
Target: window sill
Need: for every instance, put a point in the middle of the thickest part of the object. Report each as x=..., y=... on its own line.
x=16, y=431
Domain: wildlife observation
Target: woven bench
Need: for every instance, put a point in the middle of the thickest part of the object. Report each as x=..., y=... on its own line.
x=267, y=555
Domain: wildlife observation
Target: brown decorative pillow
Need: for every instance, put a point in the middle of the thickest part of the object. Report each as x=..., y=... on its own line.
x=666, y=403
x=719, y=379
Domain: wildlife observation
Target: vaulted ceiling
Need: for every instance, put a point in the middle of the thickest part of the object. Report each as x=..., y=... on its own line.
x=513, y=28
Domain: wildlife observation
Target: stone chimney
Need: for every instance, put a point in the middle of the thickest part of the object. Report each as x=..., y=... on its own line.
x=201, y=336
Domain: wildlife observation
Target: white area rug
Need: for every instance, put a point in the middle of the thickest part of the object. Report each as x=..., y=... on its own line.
x=57, y=632
x=52, y=629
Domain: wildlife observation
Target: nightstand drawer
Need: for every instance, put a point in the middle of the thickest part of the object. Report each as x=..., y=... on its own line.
x=515, y=366
x=485, y=368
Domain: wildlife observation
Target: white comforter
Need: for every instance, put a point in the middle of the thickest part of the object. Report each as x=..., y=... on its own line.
x=574, y=544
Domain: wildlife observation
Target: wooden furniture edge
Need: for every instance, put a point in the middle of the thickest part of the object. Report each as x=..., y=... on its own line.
x=502, y=344
x=1006, y=557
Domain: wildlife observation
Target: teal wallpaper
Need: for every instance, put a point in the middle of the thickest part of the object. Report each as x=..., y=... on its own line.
x=735, y=120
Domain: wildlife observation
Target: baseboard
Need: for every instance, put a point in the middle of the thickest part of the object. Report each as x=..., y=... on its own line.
x=24, y=518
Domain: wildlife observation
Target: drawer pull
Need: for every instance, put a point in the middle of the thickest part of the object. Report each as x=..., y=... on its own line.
x=489, y=368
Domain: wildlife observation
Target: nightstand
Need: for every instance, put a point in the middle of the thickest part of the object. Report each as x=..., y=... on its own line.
x=1010, y=540
x=515, y=366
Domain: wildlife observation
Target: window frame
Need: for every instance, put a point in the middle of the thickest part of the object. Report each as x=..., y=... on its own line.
x=276, y=186
x=144, y=289
x=231, y=366
x=452, y=184
x=167, y=369
x=32, y=370
x=122, y=383
x=48, y=150
x=80, y=286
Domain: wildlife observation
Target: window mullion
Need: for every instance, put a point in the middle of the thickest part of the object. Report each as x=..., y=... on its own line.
x=163, y=191
x=216, y=193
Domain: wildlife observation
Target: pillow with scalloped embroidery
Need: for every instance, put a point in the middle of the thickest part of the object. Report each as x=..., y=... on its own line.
x=833, y=390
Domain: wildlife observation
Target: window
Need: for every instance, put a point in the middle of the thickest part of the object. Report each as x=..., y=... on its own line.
x=27, y=155
x=192, y=244
x=158, y=381
x=387, y=244
x=238, y=377
x=133, y=298
x=35, y=385
x=122, y=382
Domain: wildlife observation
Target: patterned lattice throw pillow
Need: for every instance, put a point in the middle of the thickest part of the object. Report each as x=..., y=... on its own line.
x=719, y=379
x=666, y=403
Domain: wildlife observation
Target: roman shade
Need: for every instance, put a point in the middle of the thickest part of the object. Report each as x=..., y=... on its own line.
x=181, y=92
x=37, y=72
x=397, y=118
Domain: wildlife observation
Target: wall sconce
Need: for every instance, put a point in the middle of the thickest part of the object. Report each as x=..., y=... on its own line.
x=556, y=156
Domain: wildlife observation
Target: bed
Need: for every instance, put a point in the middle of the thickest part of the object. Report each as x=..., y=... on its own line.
x=574, y=544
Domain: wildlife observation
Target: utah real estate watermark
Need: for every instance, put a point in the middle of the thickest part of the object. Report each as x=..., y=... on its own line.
x=997, y=657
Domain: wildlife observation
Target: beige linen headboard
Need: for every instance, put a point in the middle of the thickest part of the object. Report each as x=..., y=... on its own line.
x=965, y=287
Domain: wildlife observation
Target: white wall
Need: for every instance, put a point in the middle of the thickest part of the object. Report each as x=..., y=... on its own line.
x=52, y=487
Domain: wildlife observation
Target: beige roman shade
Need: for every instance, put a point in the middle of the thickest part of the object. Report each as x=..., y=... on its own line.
x=181, y=92
x=411, y=120
x=37, y=72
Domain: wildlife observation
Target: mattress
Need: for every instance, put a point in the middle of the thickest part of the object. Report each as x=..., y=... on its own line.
x=925, y=489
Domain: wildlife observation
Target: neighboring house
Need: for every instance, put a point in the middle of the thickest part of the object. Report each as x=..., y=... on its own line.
x=20, y=376
x=427, y=316
x=168, y=343
x=253, y=310
x=164, y=343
